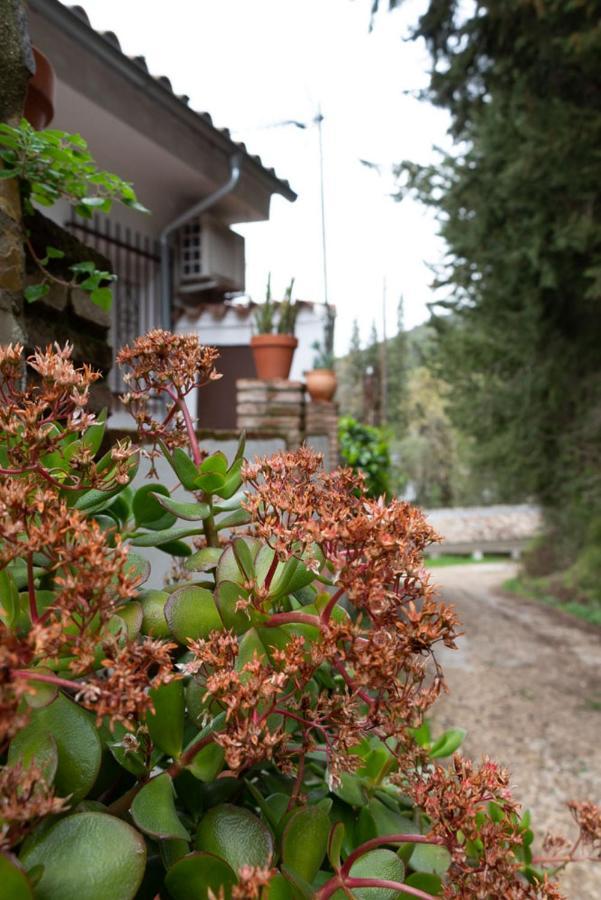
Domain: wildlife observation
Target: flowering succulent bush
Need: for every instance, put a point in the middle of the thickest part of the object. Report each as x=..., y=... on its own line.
x=256, y=729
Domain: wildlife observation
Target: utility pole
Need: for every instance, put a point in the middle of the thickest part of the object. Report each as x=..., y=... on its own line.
x=384, y=360
x=324, y=255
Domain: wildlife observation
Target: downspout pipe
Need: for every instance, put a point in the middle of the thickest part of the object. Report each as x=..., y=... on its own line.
x=193, y=212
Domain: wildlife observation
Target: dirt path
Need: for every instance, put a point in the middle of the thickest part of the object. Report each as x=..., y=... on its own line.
x=526, y=684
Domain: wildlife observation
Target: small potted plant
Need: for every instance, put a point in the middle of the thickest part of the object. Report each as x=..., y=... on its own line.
x=273, y=346
x=321, y=380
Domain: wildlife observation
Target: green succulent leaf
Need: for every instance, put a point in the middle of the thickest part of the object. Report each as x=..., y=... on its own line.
x=89, y=855
x=228, y=568
x=191, y=613
x=232, y=481
x=381, y=863
x=154, y=622
x=447, y=743
x=166, y=722
x=227, y=595
x=305, y=840
x=430, y=858
x=160, y=538
x=204, y=559
x=9, y=599
x=197, y=874
x=208, y=762
x=216, y=462
x=30, y=747
x=153, y=810
x=15, y=885
x=235, y=835
x=183, y=466
x=77, y=741
x=191, y=512
x=148, y=511
x=244, y=558
x=335, y=842
x=431, y=884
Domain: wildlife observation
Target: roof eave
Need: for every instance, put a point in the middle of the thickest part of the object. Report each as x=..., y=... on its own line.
x=75, y=26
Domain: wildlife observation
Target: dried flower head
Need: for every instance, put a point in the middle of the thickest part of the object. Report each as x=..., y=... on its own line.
x=25, y=798
x=162, y=363
x=122, y=691
x=37, y=421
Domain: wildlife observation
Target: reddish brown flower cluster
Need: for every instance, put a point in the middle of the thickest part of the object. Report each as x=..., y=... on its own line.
x=90, y=577
x=383, y=651
x=25, y=798
x=588, y=819
x=373, y=550
x=14, y=655
x=37, y=421
x=122, y=691
x=250, y=694
x=251, y=881
x=170, y=364
x=473, y=814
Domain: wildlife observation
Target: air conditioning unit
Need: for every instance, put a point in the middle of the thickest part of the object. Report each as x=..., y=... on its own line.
x=210, y=256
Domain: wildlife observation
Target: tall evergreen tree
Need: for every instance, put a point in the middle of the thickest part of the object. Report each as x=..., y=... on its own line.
x=520, y=209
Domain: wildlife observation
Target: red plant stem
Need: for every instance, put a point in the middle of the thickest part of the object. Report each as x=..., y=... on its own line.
x=382, y=840
x=338, y=665
x=30, y=675
x=189, y=755
x=33, y=608
x=327, y=611
x=181, y=404
x=300, y=772
x=385, y=883
x=271, y=572
x=336, y=883
x=288, y=618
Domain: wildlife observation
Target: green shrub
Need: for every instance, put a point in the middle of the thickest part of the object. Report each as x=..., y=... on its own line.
x=366, y=449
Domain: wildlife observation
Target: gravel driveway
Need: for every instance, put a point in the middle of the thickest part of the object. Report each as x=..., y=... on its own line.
x=526, y=684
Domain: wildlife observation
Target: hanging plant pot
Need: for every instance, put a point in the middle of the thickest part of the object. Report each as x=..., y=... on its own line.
x=273, y=354
x=321, y=384
x=39, y=101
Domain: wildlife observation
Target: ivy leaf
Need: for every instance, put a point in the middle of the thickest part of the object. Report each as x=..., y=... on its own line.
x=35, y=292
x=54, y=253
x=102, y=297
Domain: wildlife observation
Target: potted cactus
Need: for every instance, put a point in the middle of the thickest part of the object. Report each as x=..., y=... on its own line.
x=274, y=344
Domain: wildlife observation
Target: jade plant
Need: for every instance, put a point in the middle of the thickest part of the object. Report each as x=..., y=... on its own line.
x=257, y=728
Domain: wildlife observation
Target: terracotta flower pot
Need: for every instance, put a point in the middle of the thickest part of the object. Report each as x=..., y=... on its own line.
x=321, y=384
x=39, y=101
x=273, y=354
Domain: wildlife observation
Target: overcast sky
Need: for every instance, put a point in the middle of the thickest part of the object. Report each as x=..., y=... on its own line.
x=254, y=63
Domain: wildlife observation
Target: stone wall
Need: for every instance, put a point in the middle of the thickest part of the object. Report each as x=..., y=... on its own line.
x=282, y=408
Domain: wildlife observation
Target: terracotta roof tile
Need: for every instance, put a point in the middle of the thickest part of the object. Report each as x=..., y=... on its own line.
x=111, y=38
